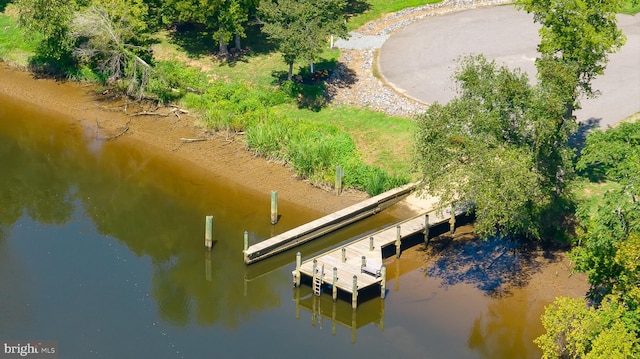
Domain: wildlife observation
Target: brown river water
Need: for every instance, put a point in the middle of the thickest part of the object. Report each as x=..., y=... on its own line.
x=101, y=250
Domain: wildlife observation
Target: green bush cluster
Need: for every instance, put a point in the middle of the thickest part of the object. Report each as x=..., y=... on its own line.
x=233, y=106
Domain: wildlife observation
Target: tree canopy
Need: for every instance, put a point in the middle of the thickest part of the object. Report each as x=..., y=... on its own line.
x=301, y=29
x=608, y=251
x=50, y=18
x=224, y=18
x=578, y=33
x=499, y=148
x=615, y=156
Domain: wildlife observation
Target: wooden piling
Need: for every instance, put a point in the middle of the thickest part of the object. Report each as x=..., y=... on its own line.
x=315, y=267
x=426, y=229
x=246, y=241
x=354, y=294
x=296, y=276
x=339, y=175
x=364, y=261
x=370, y=244
x=383, y=283
x=344, y=255
x=333, y=284
x=452, y=220
x=208, y=232
x=274, y=207
x=398, y=241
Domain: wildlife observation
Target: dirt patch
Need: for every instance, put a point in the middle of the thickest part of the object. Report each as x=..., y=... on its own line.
x=172, y=133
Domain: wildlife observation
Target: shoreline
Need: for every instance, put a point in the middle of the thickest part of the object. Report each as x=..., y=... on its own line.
x=213, y=154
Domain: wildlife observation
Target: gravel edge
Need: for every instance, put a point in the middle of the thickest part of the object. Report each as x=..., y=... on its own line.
x=354, y=83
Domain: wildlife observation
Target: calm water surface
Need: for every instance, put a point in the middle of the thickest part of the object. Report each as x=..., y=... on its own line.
x=101, y=249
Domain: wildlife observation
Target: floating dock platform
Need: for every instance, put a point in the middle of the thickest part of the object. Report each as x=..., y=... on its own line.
x=324, y=225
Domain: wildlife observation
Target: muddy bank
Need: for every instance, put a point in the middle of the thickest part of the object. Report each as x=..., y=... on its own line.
x=169, y=134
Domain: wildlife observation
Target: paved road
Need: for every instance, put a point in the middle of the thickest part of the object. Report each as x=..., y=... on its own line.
x=420, y=58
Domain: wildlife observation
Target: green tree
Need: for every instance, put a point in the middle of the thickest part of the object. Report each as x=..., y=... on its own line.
x=51, y=19
x=222, y=18
x=232, y=17
x=302, y=29
x=608, y=250
x=497, y=148
x=574, y=330
x=578, y=33
x=613, y=155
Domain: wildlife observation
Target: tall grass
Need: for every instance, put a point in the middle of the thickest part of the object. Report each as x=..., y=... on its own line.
x=383, y=141
x=233, y=106
x=314, y=150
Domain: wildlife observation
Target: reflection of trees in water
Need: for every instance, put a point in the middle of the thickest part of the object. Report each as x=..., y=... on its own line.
x=183, y=293
x=506, y=329
x=31, y=181
x=15, y=293
x=495, y=266
x=45, y=173
x=171, y=233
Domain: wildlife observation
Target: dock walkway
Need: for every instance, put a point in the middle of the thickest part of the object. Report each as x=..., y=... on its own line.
x=324, y=225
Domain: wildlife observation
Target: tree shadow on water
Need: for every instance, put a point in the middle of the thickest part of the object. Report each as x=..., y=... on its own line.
x=493, y=266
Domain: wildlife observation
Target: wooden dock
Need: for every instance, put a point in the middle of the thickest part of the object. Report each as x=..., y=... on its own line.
x=324, y=225
x=359, y=264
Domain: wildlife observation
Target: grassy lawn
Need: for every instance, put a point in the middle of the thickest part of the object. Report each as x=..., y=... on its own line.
x=262, y=65
x=15, y=48
x=372, y=9
x=383, y=141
